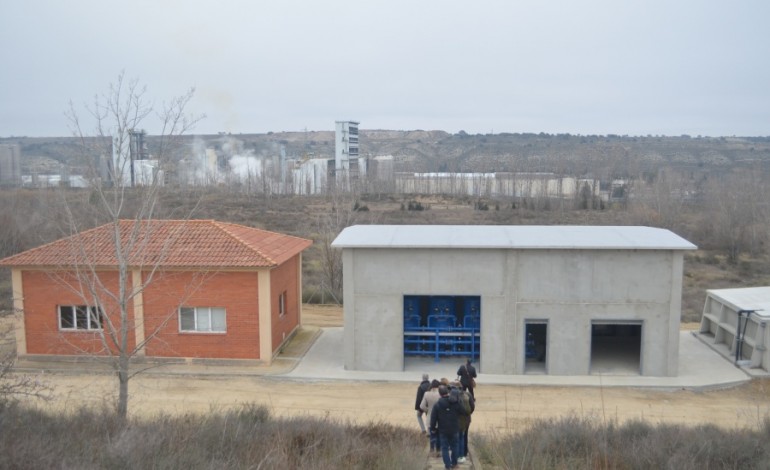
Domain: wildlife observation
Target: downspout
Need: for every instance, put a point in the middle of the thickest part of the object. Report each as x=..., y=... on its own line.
x=740, y=333
x=760, y=346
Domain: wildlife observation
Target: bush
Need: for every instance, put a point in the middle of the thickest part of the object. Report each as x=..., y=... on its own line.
x=585, y=443
x=414, y=206
x=245, y=437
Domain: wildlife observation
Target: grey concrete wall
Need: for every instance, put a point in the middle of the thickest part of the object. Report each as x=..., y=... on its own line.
x=674, y=314
x=377, y=279
x=566, y=288
x=571, y=289
x=719, y=328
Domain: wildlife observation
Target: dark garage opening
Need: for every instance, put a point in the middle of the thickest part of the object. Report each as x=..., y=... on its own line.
x=535, y=347
x=616, y=348
x=437, y=326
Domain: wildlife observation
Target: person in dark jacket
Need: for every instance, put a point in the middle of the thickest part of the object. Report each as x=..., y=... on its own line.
x=445, y=420
x=467, y=373
x=421, y=389
x=469, y=405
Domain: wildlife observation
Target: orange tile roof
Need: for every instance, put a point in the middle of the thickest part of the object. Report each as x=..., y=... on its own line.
x=167, y=243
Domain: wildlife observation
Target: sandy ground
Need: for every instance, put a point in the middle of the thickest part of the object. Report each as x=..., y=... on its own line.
x=498, y=407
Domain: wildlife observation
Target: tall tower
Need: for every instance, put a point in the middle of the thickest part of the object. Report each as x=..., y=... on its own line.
x=10, y=165
x=137, y=150
x=345, y=147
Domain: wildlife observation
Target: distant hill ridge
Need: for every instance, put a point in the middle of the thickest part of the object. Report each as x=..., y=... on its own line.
x=420, y=150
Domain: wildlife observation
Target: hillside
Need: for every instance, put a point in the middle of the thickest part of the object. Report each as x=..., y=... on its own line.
x=420, y=150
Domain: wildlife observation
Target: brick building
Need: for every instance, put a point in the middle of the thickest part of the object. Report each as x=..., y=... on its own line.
x=197, y=289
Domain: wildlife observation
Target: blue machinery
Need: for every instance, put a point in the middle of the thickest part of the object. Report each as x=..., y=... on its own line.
x=432, y=326
x=448, y=326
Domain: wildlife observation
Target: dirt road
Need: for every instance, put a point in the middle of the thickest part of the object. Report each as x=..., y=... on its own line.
x=499, y=407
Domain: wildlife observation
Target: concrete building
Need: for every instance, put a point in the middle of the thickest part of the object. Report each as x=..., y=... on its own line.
x=345, y=144
x=560, y=300
x=500, y=184
x=10, y=165
x=734, y=323
x=346, y=152
x=54, y=181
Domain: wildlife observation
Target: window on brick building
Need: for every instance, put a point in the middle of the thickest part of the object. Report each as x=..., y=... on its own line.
x=80, y=317
x=282, y=304
x=203, y=319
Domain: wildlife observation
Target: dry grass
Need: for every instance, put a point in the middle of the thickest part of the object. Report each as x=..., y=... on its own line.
x=250, y=437
x=572, y=442
x=322, y=315
x=705, y=269
x=247, y=437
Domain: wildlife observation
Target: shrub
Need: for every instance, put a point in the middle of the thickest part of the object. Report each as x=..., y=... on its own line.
x=244, y=437
x=414, y=206
x=585, y=443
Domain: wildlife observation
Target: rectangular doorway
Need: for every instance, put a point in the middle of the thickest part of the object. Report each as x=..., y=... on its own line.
x=535, y=347
x=616, y=347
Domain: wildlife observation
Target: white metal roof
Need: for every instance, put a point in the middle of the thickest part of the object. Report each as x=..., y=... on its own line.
x=745, y=298
x=561, y=237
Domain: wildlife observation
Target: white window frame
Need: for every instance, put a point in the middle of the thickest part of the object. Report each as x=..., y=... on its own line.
x=94, y=318
x=208, y=313
x=282, y=304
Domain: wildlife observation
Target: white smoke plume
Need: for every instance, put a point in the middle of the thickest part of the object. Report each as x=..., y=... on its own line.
x=246, y=166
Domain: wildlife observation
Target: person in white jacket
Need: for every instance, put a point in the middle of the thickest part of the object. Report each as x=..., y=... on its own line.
x=421, y=389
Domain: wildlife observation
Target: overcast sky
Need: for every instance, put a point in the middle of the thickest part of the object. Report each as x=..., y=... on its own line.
x=671, y=67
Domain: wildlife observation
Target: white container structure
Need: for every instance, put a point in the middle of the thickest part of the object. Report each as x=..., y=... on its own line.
x=734, y=323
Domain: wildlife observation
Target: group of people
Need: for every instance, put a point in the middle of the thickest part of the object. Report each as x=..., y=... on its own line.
x=448, y=406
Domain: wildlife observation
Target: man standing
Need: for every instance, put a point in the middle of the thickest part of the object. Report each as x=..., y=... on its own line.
x=445, y=419
x=467, y=375
x=421, y=389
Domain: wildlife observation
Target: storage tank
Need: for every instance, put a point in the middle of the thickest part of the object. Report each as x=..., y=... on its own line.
x=472, y=307
x=442, y=305
x=413, y=317
x=10, y=165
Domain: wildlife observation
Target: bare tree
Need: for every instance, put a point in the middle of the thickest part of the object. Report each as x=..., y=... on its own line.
x=128, y=204
x=343, y=212
x=12, y=383
x=737, y=212
x=663, y=201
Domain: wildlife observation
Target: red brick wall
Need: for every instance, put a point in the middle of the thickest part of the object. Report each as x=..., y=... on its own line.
x=235, y=291
x=284, y=278
x=43, y=293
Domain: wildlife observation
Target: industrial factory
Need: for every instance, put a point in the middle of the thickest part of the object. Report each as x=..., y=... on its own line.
x=264, y=165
